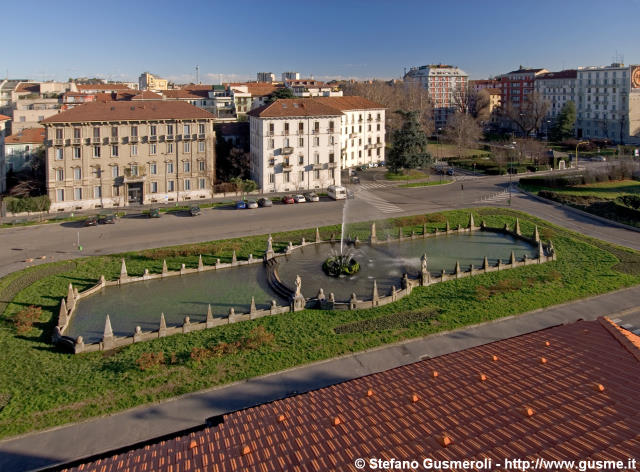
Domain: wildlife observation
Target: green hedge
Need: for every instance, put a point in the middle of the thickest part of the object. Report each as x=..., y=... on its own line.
x=28, y=204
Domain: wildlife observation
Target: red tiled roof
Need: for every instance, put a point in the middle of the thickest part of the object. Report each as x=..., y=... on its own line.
x=182, y=94
x=28, y=87
x=130, y=111
x=197, y=87
x=27, y=136
x=495, y=401
x=147, y=95
x=103, y=87
x=294, y=107
x=257, y=89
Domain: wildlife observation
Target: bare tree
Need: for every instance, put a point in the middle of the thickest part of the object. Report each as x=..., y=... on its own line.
x=529, y=116
x=463, y=131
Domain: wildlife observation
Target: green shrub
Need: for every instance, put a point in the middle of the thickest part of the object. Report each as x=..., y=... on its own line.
x=28, y=204
x=632, y=201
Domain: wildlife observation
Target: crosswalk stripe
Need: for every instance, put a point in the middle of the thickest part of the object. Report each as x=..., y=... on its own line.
x=497, y=197
x=379, y=203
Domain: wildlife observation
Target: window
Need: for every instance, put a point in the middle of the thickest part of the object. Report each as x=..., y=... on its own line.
x=169, y=148
x=60, y=195
x=153, y=148
x=300, y=142
x=316, y=158
x=201, y=166
x=300, y=128
x=96, y=132
x=332, y=139
x=271, y=144
x=134, y=131
x=96, y=151
x=170, y=186
x=316, y=141
x=115, y=172
x=286, y=142
x=331, y=173
x=170, y=129
x=154, y=187
x=201, y=128
x=97, y=192
x=301, y=160
x=186, y=166
x=200, y=146
x=187, y=146
x=76, y=152
x=286, y=176
x=301, y=176
x=114, y=150
x=316, y=127
x=187, y=184
x=77, y=133
x=114, y=131
x=59, y=133
x=134, y=149
x=77, y=194
x=133, y=170
x=169, y=167
x=23, y=119
x=187, y=129
x=331, y=126
x=58, y=152
x=201, y=184
x=271, y=129
x=316, y=174
x=59, y=175
x=153, y=168
x=153, y=130
x=331, y=157
x=286, y=128
x=272, y=178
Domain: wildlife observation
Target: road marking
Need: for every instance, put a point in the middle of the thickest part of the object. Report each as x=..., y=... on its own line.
x=379, y=203
x=372, y=185
x=497, y=197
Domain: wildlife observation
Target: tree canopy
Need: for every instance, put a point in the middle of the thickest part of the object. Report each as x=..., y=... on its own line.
x=563, y=127
x=282, y=92
x=409, y=144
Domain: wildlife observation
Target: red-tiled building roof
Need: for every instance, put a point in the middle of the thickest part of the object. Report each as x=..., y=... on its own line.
x=28, y=87
x=27, y=136
x=197, y=87
x=114, y=86
x=564, y=393
x=147, y=95
x=256, y=89
x=289, y=107
x=184, y=94
x=130, y=111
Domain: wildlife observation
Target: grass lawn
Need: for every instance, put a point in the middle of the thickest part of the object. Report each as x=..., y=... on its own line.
x=40, y=387
x=412, y=174
x=424, y=184
x=444, y=151
x=608, y=190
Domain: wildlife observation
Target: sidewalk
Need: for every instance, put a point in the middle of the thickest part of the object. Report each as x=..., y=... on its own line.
x=100, y=435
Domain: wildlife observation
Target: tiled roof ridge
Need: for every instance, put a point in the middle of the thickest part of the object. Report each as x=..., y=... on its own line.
x=628, y=340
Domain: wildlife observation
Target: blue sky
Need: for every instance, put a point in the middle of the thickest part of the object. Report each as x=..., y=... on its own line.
x=327, y=39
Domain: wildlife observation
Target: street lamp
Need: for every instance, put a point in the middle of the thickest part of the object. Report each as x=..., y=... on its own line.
x=579, y=143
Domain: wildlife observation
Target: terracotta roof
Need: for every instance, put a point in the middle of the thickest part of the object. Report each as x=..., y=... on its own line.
x=257, y=89
x=197, y=87
x=294, y=107
x=564, y=393
x=563, y=74
x=115, y=96
x=27, y=136
x=103, y=87
x=4, y=117
x=134, y=111
x=28, y=87
x=349, y=103
x=183, y=94
x=147, y=95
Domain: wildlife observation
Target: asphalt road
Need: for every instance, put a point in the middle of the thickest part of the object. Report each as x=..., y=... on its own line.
x=374, y=200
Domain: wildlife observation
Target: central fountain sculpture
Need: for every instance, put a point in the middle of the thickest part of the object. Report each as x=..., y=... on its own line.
x=341, y=264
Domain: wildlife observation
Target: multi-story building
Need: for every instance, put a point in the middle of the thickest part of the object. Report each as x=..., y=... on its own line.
x=556, y=88
x=148, y=81
x=518, y=85
x=303, y=143
x=3, y=170
x=19, y=151
x=312, y=88
x=32, y=102
x=117, y=153
x=446, y=86
x=608, y=103
x=291, y=75
x=110, y=87
x=266, y=77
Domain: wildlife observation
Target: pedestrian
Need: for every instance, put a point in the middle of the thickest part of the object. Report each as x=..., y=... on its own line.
x=461, y=186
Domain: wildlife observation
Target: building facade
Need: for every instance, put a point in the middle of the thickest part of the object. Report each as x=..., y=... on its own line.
x=112, y=154
x=300, y=144
x=312, y=88
x=291, y=75
x=608, y=103
x=556, y=88
x=148, y=81
x=266, y=77
x=444, y=83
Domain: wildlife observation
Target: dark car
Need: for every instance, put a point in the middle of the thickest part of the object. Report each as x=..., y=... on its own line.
x=241, y=205
x=194, y=210
x=450, y=171
x=154, y=213
x=288, y=199
x=355, y=180
x=265, y=202
x=91, y=221
x=108, y=219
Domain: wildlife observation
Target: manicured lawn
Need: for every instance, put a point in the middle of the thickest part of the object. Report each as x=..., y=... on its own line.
x=608, y=190
x=40, y=387
x=424, y=184
x=412, y=174
x=444, y=150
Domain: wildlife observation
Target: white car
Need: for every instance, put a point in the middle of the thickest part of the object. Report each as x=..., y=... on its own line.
x=299, y=198
x=312, y=197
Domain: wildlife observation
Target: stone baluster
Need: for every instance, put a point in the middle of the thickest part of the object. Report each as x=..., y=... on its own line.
x=372, y=236
x=252, y=308
x=200, y=263
x=162, y=331
x=107, y=336
x=186, y=326
x=165, y=270
x=375, y=298
x=472, y=225
x=318, y=235
x=234, y=258
x=536, y=234
x=123, y=271
x=517, y=228
x=209, y=319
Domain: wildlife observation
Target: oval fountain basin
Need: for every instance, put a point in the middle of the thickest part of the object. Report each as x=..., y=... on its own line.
x=386, y=263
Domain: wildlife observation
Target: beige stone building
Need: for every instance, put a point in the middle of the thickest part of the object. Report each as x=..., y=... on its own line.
x=112, y=154
x=148, y=81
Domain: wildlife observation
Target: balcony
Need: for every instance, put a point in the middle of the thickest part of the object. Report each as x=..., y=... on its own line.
x=153, y=139
x=331, y=130
x=186, y=137
x=332, y=165
x=287, y=150
x=95, y=140
x=114, y=140
x=379, y=145
x=140, y=175
x=58, y=142
x=317, y=166
x=77, y=140
x=200, y=136
x=315, y=131
x=169, y=137
x=353, y=135
x=286, y=165
x=271, y=163
x=133, y=139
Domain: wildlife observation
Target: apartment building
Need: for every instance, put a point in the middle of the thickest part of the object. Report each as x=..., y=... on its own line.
x=266, y=77
x=291, y=75
x=557, y=88
x=18, y=152
x=117, y=153
x=444, y=83
x=148, y=81
x=608, y=103
x=312, y=88
x=3, y=170
x=299, y=144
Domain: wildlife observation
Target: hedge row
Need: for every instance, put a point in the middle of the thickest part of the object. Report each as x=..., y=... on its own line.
x=604, y=208
x=27, y=204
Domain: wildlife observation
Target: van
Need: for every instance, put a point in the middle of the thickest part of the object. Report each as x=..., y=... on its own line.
x=337, y=192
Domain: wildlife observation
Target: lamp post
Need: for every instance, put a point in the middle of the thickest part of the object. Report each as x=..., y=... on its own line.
x=579, y=143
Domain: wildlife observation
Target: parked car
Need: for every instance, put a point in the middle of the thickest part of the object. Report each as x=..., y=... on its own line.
x=288, y=199
x=299, y=198
x=107, y=219
x=91, y=221
x=599, y=159
x=312, y=197
x=265, y=202
x=154, y=213
x=355, y=180
x=241, y=205
x=194, y=210
x=252, y=204
x=336, y=192
x=450, y=171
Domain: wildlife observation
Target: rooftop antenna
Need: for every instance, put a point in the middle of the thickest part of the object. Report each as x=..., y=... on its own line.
x=197, y=74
